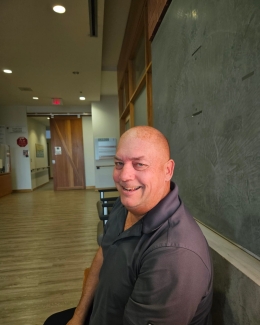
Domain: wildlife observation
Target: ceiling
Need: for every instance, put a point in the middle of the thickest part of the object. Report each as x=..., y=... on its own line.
x=44, y=48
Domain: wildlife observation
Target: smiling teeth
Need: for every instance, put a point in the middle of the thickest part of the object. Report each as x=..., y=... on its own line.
x=132, y=188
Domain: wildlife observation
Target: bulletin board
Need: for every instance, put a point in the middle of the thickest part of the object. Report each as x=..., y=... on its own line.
x=39, y=150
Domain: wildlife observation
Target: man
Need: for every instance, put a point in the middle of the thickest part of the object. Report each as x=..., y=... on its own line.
x=153, y=266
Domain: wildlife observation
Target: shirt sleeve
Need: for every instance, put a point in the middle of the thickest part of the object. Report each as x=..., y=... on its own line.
x=168, y=289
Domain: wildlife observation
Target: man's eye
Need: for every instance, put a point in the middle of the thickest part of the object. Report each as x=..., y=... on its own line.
x=139, y=166
x=119, y=165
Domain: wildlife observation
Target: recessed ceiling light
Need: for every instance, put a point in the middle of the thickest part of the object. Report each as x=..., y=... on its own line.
x=7, y=71
x=59, y=9
x=82, y=98
x=36, y=98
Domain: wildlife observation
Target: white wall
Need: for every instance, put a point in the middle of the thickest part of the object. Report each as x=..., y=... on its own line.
x=105, y=122
x=37, y=135
x=12, y=116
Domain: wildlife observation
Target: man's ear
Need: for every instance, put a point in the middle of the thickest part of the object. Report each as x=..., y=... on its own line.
x=169, y=168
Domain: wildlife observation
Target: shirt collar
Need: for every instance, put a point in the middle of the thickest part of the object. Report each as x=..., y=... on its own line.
x=162, y=211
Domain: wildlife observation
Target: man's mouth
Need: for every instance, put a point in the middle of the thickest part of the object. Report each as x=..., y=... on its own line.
x=131, y=189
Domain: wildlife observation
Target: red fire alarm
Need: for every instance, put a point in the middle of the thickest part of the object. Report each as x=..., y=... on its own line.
x=22, y=142
x=56, y=101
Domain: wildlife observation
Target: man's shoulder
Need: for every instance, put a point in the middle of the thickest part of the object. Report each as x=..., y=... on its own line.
x=182, y=233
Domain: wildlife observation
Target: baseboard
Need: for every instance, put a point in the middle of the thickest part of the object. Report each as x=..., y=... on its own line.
x=90, y=187
x=22, y=191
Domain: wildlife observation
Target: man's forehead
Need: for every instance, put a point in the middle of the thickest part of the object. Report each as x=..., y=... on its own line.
x=121, y=157
x=135, y=142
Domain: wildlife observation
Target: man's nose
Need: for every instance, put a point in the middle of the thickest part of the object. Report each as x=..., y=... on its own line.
x=127, y=172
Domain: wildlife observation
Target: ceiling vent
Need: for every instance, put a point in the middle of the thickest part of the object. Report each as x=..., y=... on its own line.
x=92, y=8
x=25, y=89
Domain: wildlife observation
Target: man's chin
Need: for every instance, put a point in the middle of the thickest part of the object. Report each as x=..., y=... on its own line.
x=134, y=208
x=128, y=203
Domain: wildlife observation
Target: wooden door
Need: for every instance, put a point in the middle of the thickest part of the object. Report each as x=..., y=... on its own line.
x=67, y=153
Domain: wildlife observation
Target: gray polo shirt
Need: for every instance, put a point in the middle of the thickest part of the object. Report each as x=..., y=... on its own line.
x=156, y=272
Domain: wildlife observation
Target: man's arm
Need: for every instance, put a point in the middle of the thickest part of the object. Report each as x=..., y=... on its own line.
x=169, y=288
x=88, y=290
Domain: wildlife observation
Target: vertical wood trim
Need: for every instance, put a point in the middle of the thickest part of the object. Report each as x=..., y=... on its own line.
x=68, y=148
x=132, y=115
x=149, y=97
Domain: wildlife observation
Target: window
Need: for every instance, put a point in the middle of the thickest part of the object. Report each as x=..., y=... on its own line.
x=134, y=75
x=140, y=108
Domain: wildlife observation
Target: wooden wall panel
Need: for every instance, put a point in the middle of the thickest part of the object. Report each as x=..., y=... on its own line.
x=5, y=184
x=69, y=172
x=143, y=20
x=131, y=30
x=156, y=11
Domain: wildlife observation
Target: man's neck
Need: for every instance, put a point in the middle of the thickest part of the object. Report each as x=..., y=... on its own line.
x=131, y=219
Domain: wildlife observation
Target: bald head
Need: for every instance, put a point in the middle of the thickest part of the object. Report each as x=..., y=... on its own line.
x=152, y=137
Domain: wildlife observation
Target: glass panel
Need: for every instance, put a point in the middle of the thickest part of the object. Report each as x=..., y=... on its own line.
x=48, y=134
x=124, y=93
x=139, y=61
x=127, y=125
x=124, y=98
x=140, y=108
x=126, y=90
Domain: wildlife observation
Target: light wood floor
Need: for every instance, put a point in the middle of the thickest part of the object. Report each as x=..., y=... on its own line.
x=47, y=239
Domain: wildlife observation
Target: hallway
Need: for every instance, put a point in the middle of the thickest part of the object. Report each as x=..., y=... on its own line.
x=47, y=239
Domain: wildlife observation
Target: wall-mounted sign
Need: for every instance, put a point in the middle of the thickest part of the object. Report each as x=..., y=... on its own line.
x=105, y=148
x=26, y=153
x=16, y=129
x=39, y=150
x=57, y=101
x=57, y=151
x=22, y=142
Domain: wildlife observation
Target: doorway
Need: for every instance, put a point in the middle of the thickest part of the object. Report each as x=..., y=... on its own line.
x=67, y=152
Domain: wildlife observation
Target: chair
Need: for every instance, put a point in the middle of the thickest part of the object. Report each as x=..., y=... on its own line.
x=104, y=207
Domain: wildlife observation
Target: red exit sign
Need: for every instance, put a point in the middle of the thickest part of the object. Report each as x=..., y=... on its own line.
x=56, y=101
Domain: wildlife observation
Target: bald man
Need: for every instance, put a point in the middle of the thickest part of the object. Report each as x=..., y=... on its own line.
x=153, y=266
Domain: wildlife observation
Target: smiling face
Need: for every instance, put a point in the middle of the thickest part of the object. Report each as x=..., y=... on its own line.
x=143, y=170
